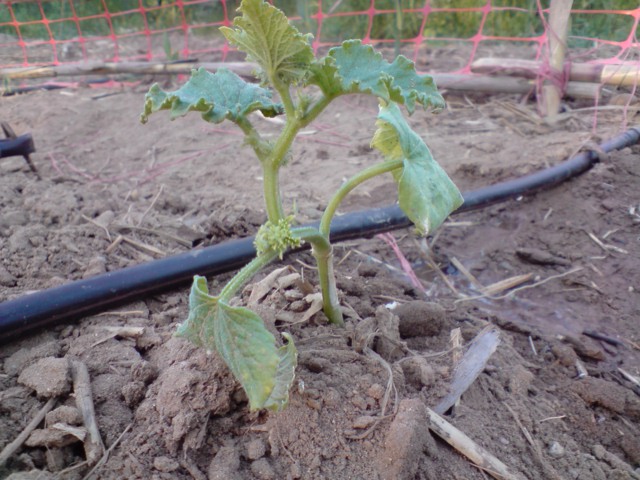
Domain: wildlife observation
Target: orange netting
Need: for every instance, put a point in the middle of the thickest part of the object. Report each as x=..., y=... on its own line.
x=42, y=32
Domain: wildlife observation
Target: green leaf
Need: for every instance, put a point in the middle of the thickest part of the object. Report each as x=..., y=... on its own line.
x=357, y=68
x=247, y=347
x=263, y=32
x=218, y=96
x=426, y=193
x=279, y=397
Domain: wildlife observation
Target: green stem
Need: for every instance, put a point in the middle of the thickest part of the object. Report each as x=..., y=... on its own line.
x=315, y=110
x=323, y=253
x=254, y=139
x=245, y=274
x=353, y=182
x=285, y=96
x=271, y=186
x=271, y=168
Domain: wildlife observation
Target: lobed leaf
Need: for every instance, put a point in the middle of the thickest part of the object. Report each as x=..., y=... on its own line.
x=264, y=33
x=217, y=96
x=426, y=193
x=248, y=348
x=357, y=68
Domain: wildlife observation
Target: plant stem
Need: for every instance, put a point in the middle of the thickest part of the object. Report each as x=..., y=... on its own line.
x=243, y=276
x=316, y=110
x=254, y=139
x=323, y=253
x=285, y=96
x=271, y=168
x=353, y=182
x=271, y=186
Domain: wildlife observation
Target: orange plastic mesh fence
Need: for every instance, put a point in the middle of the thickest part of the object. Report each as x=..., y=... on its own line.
x=58, y=32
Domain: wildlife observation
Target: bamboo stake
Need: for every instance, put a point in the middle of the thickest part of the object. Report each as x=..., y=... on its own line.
x=490, y=85
x=452, y=82
x=111, y=68
x=557, y=33
x=616, y=75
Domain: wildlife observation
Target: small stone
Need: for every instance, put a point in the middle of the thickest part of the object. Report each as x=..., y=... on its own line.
x=363, y=421
x=133, y=393
x=296, y=471
x=144, y=371
x=96, y=266
x=556, y=450
x=49, y=377
x=359, y=402
x=50, y=438
x=262, y=469
x=165, y=464
x=418, y=372
x=313, y=403
x=566, y=355
x=6, y=279
x=28, y=356
x=32, y=475
x=13, y=218
x=255, y=449
x=64, y=414
x=225, y=464
x=376, y=391
x=420, y=319
x=315, y=364
x=298, y=306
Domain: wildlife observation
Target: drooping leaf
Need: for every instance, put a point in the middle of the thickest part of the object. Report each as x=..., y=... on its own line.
x=288, y=354
x=426, y=193
x=247, y=347
x=357, y=68
x=217, y=96
x=264, y=33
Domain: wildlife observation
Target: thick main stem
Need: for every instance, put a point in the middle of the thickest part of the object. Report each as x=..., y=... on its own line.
x=271, y=168
x=323, y=253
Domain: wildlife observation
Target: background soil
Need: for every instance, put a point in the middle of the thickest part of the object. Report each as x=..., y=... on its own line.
x=167, y=410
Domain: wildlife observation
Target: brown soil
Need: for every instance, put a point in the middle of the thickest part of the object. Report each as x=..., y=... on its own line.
x=167, y=410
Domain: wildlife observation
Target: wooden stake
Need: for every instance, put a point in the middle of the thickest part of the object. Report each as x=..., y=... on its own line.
x=110, y=68
x=557, y=33
x=618, y=75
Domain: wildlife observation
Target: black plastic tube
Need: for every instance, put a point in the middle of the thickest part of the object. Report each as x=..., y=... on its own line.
x=21, y=146
x=86, y=297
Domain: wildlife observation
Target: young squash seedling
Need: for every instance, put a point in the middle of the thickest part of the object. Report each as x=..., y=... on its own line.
x=287, y=65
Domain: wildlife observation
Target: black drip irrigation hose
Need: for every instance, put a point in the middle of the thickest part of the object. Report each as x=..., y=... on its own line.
x=18, y=146
x=45, y=308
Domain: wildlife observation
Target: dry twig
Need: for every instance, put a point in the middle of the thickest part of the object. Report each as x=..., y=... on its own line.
x=470, y=449
x=93, y=446
x=11, y=448
x=471, y=364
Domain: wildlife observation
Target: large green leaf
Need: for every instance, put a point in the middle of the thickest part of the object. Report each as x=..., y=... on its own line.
x=426, y=193
x=218, y=96
x=248, y=348
x=357, y=68
x=264, y=33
